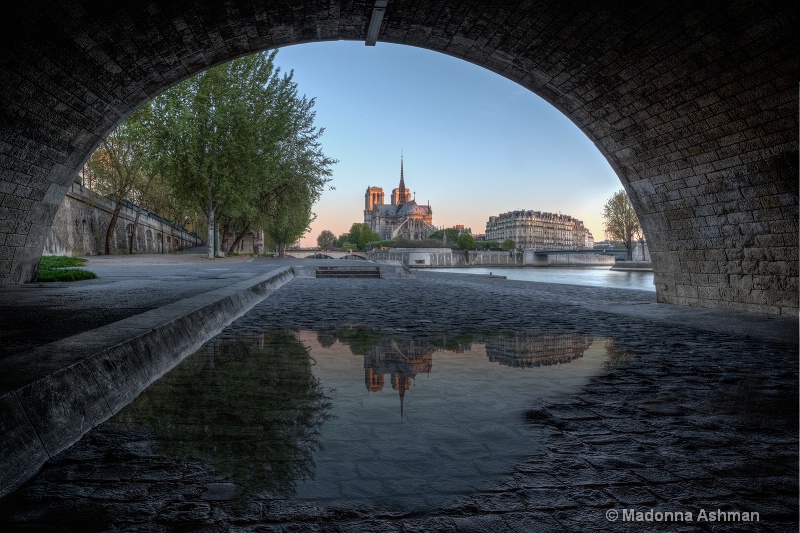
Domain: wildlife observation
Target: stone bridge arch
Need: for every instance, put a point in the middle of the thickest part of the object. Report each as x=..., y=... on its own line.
x=694, y=104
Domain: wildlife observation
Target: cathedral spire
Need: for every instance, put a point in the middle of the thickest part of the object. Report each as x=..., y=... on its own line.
x=402, y=189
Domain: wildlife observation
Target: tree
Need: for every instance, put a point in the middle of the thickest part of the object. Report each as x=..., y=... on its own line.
x=487, y=245
x=326, y=238
x=218, y=135
x=447, y=235
x=288, y=221
x=361, y=234
x=117, y=168
x=301, y=175
x=508, y=244
x=295, y=183
x=621, y=222
x=466, y=241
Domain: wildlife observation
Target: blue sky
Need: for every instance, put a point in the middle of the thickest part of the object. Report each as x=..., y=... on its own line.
x=475, y=144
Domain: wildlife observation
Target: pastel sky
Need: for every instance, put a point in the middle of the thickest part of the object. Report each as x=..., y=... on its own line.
x=474, y=143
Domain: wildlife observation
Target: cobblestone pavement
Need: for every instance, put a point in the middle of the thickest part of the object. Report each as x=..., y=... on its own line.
x=692, y=418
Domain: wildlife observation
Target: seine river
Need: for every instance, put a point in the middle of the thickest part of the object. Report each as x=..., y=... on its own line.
x=593, y=276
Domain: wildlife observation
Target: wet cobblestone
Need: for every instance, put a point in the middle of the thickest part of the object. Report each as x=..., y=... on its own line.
x=688, y=419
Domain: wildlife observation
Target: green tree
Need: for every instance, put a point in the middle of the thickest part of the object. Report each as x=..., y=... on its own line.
x=219, y=132
x=620, y=221
x=287, y=195
x=447, y=235
x=288, y=221
x=326, y=238
x=162, y=201
x=118, y=167
x=487, y=245
x=508, y=244
x=361, y=234
x=466, y=241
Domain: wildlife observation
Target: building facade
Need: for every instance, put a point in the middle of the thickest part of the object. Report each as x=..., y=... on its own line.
x=539, y=231
x=403, y=217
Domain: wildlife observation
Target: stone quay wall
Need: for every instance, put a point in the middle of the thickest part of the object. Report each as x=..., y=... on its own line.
x=443, y=257
x=82, y=220
x=588, y=259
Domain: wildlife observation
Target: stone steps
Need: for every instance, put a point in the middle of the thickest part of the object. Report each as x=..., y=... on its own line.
x=348, y=272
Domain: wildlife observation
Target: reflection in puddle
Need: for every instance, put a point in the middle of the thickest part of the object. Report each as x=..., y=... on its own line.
x=249, y=406
x=354, y=416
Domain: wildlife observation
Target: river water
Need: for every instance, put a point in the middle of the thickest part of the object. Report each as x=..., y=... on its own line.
x=600, y=276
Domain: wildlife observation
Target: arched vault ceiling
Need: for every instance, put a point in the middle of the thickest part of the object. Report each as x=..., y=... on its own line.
x=694, y=104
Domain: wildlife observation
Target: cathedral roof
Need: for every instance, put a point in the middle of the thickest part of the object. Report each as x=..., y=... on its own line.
x=412, y=208
x=386, y=209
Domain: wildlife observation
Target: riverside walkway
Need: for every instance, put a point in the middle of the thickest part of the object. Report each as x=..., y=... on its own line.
x=702, y=416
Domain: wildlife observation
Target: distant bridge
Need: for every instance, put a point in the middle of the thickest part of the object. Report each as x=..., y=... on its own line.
x=316, y=253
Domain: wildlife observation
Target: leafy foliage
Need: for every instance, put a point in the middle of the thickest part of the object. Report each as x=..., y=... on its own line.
x=466, y=241
x=487, y=245
x=326, y=238
x=359, y=340
x=239, y=145
x=119, y=168
x=359, y=236
x=621, y=222
x=450, y=234
x=508, y=244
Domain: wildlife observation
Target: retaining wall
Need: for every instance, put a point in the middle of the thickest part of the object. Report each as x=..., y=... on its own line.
x=443, y=257
x=91, y=376
x=531, y=259
x=82, y=220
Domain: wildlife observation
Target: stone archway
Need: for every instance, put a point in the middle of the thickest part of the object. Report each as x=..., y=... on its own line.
x=695, y=107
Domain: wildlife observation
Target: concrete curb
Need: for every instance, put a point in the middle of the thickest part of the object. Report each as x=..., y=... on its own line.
x=54, y=394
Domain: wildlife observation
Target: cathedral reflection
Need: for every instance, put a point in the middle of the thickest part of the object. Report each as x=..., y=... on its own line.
x=402, y=359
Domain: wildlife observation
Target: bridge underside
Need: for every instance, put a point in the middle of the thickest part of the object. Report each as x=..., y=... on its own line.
x=693, y=104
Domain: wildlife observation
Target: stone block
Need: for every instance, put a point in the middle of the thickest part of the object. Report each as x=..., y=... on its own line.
x=23, y=452
x=686, y=291
x=708, y=293
x=64, y=405
x=741, y=282
x=728, y=294
x=118, y=374
x=15, y=240
x=769, y=240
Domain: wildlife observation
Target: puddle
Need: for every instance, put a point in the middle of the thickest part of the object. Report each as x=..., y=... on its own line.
x=356, y=417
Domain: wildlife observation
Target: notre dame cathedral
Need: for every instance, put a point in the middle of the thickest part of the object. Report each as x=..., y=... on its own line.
x=403, y=217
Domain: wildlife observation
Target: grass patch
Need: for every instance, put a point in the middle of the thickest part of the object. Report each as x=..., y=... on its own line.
x=55, y=268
